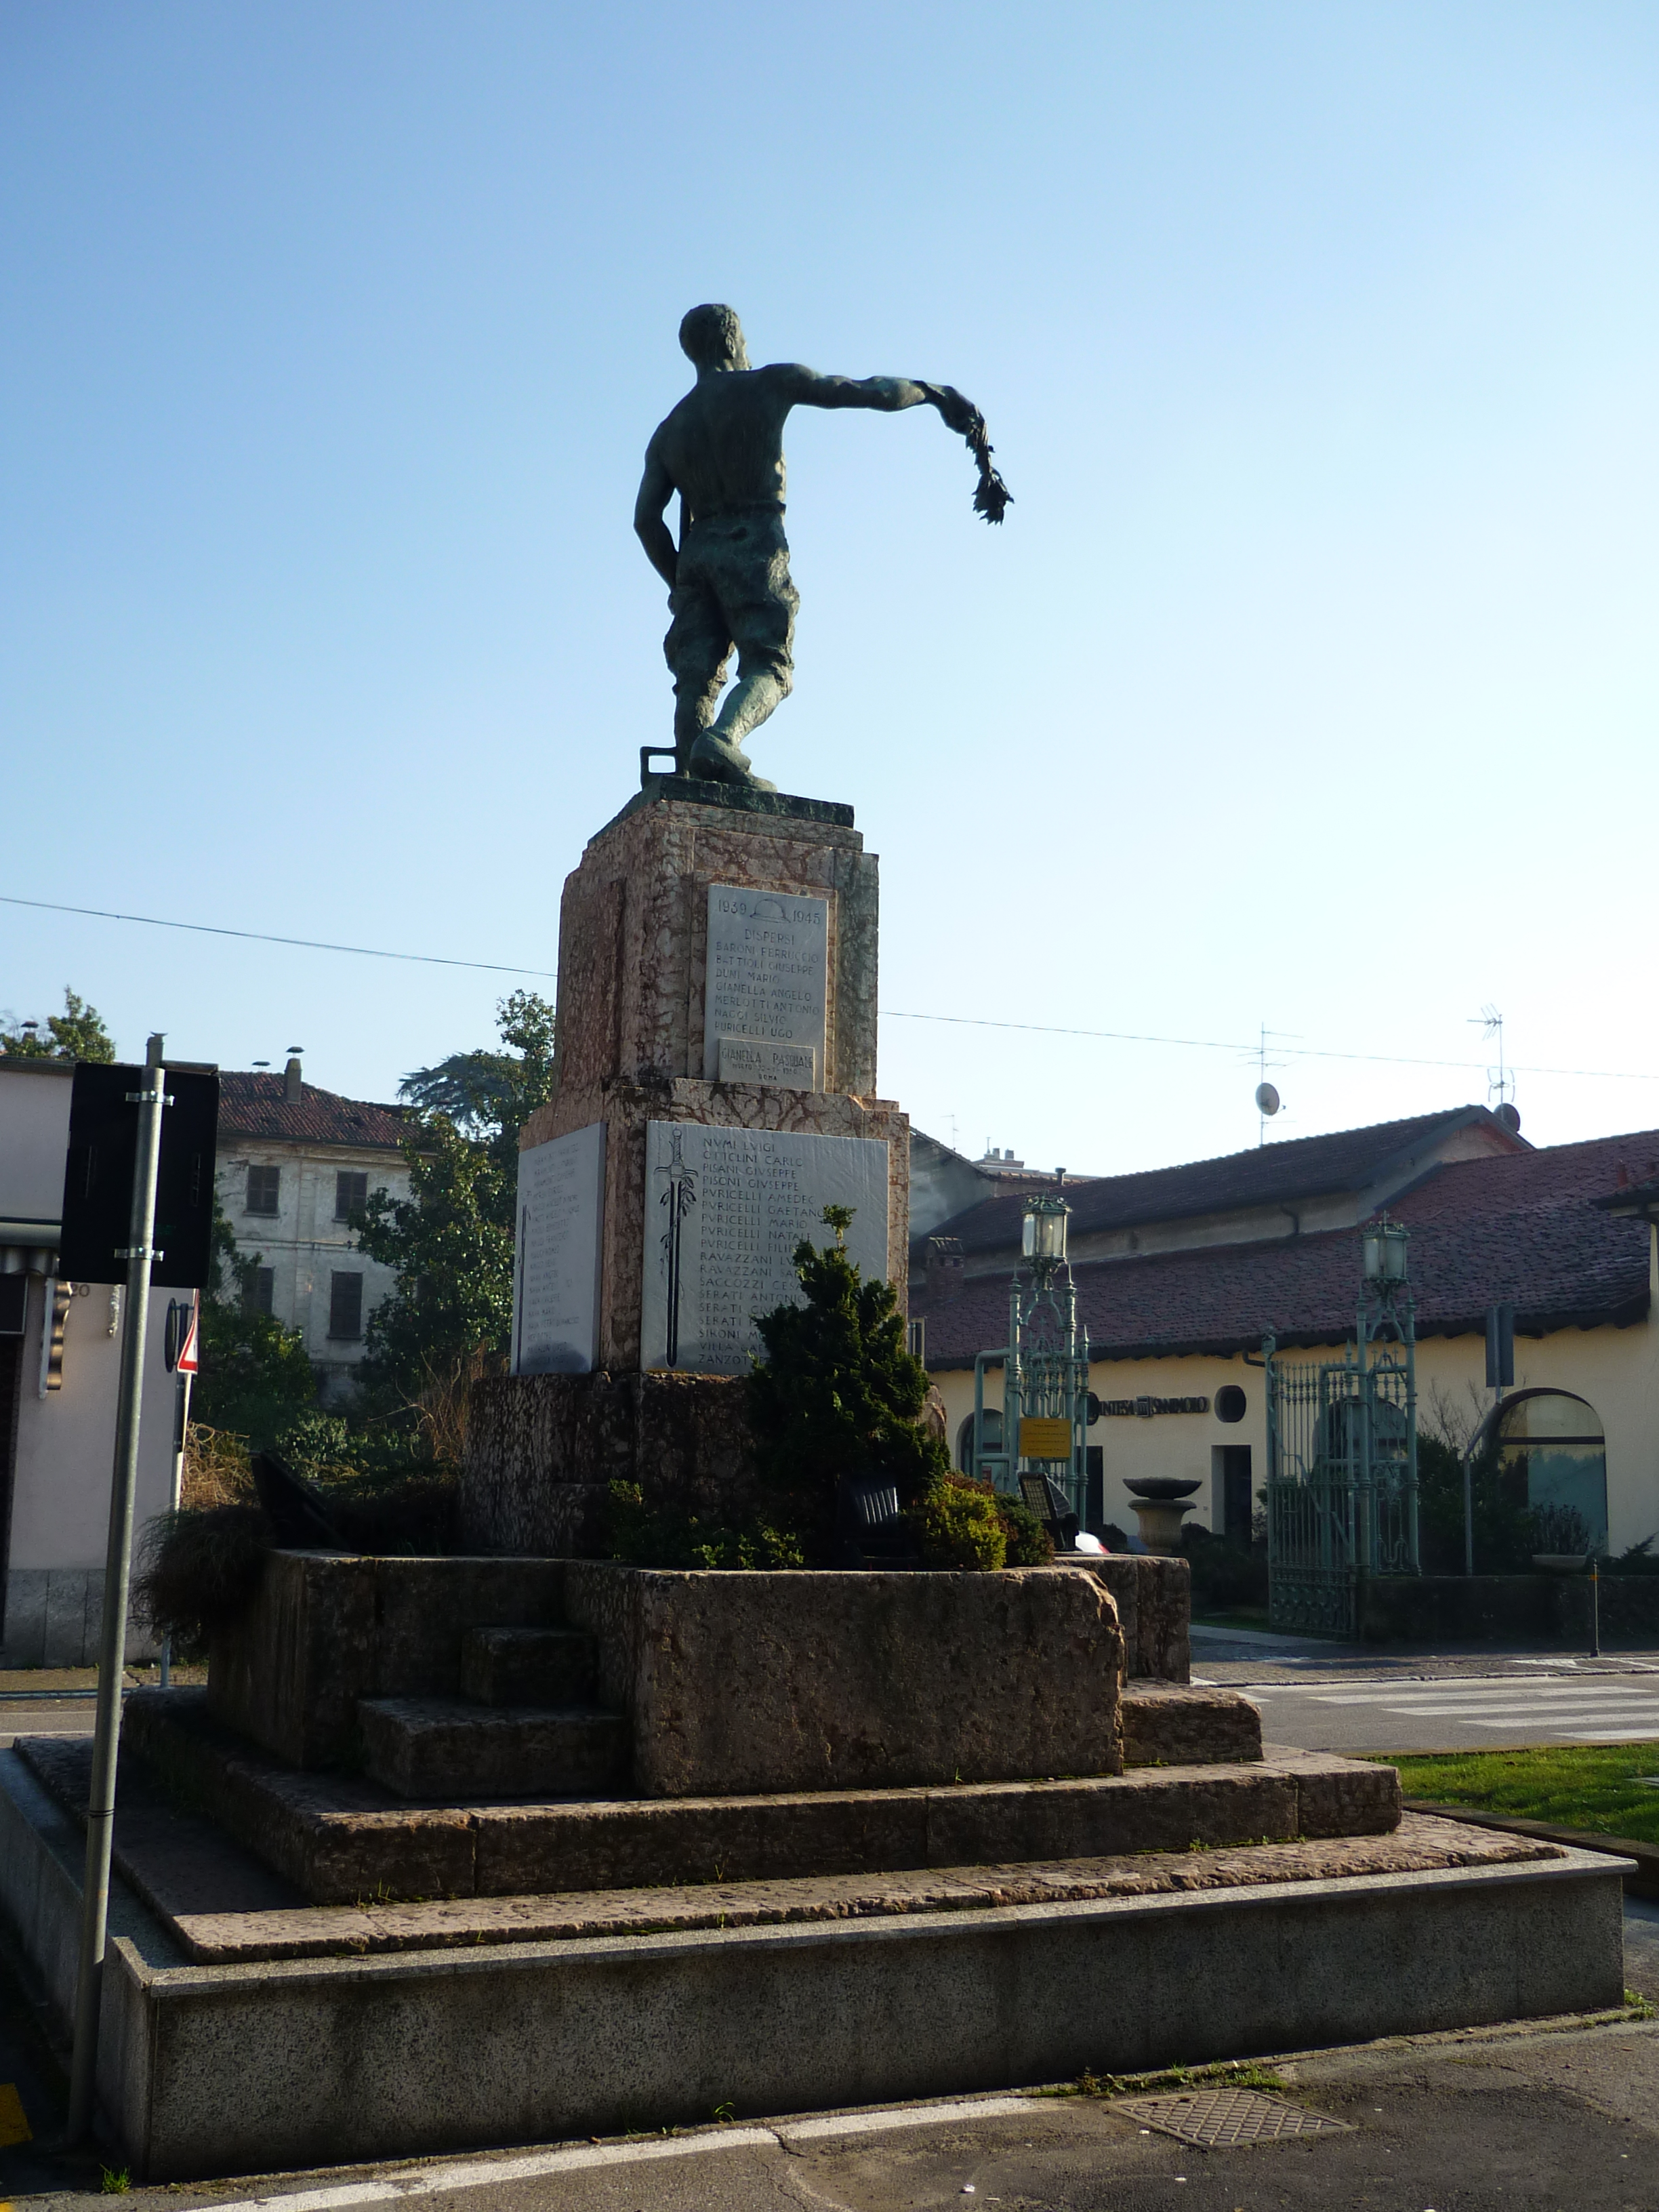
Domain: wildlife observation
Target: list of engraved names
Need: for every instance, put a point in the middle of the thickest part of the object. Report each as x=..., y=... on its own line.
x=738, y=1201
x=767, y=972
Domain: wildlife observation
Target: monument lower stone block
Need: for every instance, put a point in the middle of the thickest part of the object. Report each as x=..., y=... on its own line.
x=541, y=1451
x=757, y=1683
x=324, y=1630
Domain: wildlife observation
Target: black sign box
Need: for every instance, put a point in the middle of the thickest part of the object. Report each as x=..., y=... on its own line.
x=103, y=1149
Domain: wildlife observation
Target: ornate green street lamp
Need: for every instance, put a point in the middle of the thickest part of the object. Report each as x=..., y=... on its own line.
x=1042, y=1240
x=1045, y=1364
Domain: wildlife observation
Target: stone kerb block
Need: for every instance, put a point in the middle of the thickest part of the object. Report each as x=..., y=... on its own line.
x=760, y=1683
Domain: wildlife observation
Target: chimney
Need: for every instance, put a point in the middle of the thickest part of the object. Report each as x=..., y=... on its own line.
x=943, y=1267
x=291, y=1083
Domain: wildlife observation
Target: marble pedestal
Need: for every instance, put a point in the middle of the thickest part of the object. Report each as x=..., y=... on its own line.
x=704, y=933
x=633, y=976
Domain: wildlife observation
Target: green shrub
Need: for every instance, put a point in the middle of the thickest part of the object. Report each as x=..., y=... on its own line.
x=667, y=1536
x=1029, y=1543
x=958, y=1526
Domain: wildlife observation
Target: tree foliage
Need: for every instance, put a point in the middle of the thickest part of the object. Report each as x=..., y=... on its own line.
x=78, y=1033
x=255, y=1380
x=450, y=1242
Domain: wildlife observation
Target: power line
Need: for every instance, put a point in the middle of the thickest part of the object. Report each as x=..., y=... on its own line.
x=263, y=937
x=1221, y=1044
x=888, y=1013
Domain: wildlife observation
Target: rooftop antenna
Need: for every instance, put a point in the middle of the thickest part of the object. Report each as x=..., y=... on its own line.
x=1268, y=1100
x=1500, y=1083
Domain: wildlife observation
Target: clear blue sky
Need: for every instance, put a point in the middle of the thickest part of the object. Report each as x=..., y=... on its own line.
x=1311, y=682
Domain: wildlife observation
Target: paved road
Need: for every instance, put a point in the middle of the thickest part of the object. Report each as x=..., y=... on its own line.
x=1519, y=1705
x=49, y=1713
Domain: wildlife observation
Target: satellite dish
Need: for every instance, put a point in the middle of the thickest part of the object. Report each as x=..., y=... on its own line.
x=1509, y=1116
x=1267, y=1098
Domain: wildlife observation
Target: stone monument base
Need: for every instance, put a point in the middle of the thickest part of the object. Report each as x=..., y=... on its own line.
x=243, y=2031
x=543, y=1450
x=477, y=1852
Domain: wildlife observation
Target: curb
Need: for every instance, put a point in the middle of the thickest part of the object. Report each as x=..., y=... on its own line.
x=1643, y=1881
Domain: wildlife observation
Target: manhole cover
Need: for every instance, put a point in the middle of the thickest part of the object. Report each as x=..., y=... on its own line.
x=1219, y=2119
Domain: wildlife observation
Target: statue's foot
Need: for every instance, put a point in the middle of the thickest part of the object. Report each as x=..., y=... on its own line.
x=714, y=759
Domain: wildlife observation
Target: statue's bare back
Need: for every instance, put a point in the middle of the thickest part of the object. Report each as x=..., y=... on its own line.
x=721, y=449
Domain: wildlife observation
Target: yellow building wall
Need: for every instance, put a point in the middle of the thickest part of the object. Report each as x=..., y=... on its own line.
x=1616, y=1369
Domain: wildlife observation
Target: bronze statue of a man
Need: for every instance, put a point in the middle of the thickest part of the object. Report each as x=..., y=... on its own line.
x=721, y=450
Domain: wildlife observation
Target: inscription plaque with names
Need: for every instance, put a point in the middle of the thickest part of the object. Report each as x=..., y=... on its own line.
x=724, y=1211
x=768, y=971
x=555, y=1276
x=746, y=1060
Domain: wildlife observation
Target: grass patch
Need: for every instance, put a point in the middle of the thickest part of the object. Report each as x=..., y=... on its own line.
x=1594, y=1786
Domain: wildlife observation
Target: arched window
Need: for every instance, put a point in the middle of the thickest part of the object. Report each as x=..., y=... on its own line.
x=965, y=1438
x=1554, y=1443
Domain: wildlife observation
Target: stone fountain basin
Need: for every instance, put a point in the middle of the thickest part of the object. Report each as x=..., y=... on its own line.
x=1161, y=1488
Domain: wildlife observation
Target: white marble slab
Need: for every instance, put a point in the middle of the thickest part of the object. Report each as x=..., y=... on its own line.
x=724, y=1211
x=555, y=1277
x=746, y=1060
x=767, y=972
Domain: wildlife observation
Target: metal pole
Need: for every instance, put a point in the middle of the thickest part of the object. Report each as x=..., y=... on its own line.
x=1469, y=1512
x=118, y=1574
x=1595, y=1609
x=176, y=1490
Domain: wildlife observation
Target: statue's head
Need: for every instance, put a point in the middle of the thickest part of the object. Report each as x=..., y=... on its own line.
x=712, y=337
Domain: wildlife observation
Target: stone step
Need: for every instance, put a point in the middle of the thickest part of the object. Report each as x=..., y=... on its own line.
x=1176, y=1724
x=340, y=1838
x=528, y=1666
x=450, y=1749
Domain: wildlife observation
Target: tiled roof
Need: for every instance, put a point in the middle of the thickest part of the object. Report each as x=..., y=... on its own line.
x=1521, y=1226
x=1268, y=1174
x=253, y=1105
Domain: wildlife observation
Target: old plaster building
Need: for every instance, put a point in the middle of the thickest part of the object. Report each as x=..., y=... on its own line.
x=1180, y=1272
x=294, y=1162
x=60, y=1365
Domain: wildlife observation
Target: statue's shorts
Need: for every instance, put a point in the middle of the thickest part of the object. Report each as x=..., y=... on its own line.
x=731, y=587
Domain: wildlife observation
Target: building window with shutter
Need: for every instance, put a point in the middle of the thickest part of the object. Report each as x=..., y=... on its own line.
x=264, y=1188
x=345, y=1307
x=260, y=1290
x=351, y=1193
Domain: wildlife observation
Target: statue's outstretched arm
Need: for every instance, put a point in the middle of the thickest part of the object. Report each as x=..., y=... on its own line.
x=889, y=394
x=656, y=490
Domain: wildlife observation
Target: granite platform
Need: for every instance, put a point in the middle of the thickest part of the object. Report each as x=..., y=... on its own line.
x=552, y=2017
